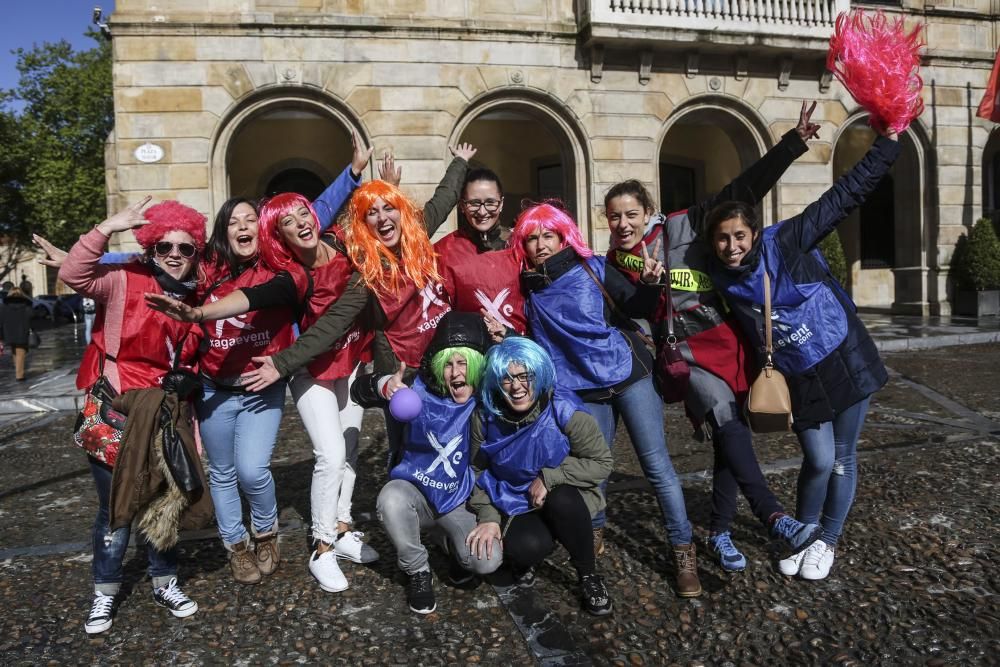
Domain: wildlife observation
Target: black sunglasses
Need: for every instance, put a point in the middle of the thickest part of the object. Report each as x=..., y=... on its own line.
x=164, y=248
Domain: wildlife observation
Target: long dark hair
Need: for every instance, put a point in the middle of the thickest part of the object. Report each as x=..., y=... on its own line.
x=633, y=188
x=217, y=250
x=731, y=209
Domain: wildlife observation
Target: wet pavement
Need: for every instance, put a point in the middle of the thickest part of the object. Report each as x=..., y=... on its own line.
x=915, y=582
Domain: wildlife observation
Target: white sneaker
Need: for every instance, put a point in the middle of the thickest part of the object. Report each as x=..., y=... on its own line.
x=324, y=567
x=818, y=561
x=790, y=566
x=101, y=614
x=350, y=546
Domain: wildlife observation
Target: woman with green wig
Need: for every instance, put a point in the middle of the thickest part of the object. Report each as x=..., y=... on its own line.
x=433, y=478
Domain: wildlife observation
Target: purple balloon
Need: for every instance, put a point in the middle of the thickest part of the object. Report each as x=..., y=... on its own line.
x=405, y=404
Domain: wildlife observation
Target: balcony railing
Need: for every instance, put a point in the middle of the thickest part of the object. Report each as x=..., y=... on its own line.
x=792, y=18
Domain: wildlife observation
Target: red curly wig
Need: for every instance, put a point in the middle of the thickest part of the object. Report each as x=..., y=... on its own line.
x=272, y=248
x=381, y=269
x=170, y=216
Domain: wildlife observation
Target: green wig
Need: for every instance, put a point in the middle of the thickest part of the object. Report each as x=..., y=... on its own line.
x=475, y=362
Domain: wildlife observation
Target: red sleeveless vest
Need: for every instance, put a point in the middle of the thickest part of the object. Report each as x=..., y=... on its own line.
x=411, y=318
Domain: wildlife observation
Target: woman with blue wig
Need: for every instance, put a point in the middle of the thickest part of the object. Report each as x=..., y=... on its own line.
x=543, y=459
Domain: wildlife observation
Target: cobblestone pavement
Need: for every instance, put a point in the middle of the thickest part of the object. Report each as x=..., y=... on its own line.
x=915, y=582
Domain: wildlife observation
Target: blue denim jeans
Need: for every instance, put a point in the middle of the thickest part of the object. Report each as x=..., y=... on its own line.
x=238, y=430
x=110, y=546
x=829, y=474
x=642, y=409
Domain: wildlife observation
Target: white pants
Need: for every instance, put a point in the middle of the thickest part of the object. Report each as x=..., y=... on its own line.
x=329, y=414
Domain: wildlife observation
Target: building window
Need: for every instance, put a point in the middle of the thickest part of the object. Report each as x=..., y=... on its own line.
x=678, y=187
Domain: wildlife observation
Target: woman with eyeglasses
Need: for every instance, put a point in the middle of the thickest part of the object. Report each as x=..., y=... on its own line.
x=133, y=353
x=542, y=459
x=578, y=309
x=480, y=272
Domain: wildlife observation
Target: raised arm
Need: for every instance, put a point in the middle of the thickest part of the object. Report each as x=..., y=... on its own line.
x=822, y=216
x=449, y=190
x=758, y=179
x=339, y=192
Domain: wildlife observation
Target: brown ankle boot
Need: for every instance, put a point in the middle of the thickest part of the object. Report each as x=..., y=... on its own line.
x=244, y=564
x=268, y=556
x=598, y=542
x=686, y=560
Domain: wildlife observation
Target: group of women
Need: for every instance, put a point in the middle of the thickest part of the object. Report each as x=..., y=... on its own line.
x=522, y=347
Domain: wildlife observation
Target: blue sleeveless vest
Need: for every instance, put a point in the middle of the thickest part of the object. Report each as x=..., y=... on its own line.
x=517, y=458
x=567, y=319
x=436, y=451
x=808, y=321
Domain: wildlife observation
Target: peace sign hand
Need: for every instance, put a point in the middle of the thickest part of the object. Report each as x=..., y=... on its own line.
x=652, y=268
x=806, y=128
x=127, y=218
x=361, y=155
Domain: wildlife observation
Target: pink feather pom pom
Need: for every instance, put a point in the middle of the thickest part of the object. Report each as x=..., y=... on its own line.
x=879, y=63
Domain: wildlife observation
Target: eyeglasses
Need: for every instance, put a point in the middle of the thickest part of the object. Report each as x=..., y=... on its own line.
x=491, y=205
x=164, y=248
x=524, y=379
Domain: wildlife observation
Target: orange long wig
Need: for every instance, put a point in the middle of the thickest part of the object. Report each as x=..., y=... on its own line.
x=382, y=269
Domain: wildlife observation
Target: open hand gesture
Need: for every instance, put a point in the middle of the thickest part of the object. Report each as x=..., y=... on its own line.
x=806, y=128
x=652, y=268
x=388, y=171
x=172, y=308
x=54, y=256
x=464, y=151
x=261, y=377
x=361, y=155
x=129, y=217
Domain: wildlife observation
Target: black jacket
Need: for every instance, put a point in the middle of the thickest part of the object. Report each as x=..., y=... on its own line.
x=15, y=320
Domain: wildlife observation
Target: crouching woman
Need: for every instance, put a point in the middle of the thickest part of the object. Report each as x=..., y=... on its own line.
x=543, y=459
x=429, y=487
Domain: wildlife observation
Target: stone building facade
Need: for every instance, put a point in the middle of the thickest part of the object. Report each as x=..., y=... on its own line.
x=215, y=98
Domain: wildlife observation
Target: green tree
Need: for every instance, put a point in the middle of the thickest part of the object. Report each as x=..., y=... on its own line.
x=833, y=251
x=53, y=128
x=976, y=260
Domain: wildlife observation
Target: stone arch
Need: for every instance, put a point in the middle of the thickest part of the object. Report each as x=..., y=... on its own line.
x=277, y=129
x=550, y=157
x=735, y=135
x=898, y=269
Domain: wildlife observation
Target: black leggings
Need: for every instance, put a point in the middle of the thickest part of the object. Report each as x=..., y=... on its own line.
x=564, y=518
x=736, y=469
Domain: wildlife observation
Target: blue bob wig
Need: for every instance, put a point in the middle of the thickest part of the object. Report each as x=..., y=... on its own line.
x=521, y=351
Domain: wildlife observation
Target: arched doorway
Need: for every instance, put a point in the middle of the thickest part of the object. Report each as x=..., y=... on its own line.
x=706, y=145
x=886, y=239
x=533, y=149
x=276, y=142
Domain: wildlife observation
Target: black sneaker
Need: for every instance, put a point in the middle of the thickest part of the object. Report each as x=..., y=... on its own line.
x=102, y=614
x=420, y=593
x=596, y=599
x=458, y=575
x=172, y=597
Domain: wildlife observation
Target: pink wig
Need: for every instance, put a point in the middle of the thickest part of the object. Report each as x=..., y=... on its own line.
x=272, y=248
x=550, y=216
x=170, y=216
x=879, y=64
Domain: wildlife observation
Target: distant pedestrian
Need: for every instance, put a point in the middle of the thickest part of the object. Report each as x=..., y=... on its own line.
x=15, y=328
x=26, y=286
x=89, y=313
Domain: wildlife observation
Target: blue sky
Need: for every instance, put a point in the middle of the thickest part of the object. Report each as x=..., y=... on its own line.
x=29, y=22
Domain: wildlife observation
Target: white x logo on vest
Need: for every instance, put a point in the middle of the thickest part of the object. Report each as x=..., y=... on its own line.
x=236, y=321
x=429, y=297
x=443, y=453
x=496, y=308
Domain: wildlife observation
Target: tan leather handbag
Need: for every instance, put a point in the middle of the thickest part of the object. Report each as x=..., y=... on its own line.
x=769, y=405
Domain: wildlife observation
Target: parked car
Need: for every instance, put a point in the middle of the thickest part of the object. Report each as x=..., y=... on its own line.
x=44, y=305
x=70, y=306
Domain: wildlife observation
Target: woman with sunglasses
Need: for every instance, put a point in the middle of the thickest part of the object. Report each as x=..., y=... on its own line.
x=710, y=340
x=578, y=310
x=133, y=353
x=481, y=274
x=543, y=458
